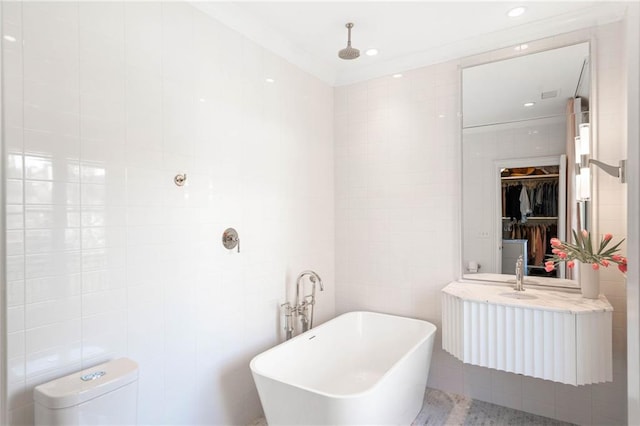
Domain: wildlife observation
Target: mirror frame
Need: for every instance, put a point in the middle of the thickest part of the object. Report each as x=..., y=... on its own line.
x=535, y=46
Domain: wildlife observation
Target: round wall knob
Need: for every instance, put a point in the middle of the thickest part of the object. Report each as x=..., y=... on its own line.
x=180, y=179
x=230, y=239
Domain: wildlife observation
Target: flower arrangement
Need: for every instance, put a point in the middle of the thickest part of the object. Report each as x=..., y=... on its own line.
x=582, y=251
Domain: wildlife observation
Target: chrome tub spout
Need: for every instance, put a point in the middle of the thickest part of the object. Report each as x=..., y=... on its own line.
x=304, y=304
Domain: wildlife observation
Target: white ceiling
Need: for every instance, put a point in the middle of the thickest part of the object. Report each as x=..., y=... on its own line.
x=407, y=34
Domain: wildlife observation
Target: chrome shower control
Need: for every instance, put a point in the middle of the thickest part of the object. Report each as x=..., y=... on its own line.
x=93, y=376
x=180, y=179
x=230, y=239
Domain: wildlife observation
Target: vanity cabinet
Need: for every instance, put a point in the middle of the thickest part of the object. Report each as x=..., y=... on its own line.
x=549, y=334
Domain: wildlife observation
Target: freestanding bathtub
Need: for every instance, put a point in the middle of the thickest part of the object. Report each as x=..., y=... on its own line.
x=358, y=368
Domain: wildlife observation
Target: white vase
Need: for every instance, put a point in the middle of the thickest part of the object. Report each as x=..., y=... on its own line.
x=589, y=281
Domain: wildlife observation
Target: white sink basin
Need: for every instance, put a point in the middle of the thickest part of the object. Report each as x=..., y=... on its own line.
x=518, y=295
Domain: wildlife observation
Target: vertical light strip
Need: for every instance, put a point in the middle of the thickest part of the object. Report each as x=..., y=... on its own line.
x=585, y=153
x=585, y=138
x=585, y=184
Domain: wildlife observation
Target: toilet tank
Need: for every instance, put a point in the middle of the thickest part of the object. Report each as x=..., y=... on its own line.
x=106, y=394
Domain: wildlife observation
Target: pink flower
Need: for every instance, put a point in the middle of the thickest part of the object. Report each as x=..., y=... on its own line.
x=582, y=249
x=549, y=266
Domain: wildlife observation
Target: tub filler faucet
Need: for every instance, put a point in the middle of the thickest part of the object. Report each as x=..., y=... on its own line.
x=304, y=305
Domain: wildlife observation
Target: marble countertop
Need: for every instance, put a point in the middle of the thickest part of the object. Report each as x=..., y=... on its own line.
x=557, y=300
x=528, y=280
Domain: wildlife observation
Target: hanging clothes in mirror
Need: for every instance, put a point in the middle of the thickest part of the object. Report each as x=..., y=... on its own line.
x=521, y=200
x=538, y=238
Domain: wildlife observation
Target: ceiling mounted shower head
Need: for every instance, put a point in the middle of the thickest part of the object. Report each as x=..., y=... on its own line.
x=349, y=52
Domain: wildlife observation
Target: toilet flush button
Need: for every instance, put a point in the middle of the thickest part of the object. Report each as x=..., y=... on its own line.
x=93, y=376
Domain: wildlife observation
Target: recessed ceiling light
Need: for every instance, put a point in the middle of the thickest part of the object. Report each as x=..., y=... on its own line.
x=371, y=52
x=529, y=104
x=441, y=116
x=521, y=47
x=269, y=80
x=516, y=11
x=10, y=38
x=397, y=75
x=202, y=100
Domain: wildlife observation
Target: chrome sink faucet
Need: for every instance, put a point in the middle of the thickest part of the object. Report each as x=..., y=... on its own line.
x=519, y=274
x=304, y=305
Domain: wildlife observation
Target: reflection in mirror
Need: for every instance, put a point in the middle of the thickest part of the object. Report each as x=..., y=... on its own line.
x=520, y=120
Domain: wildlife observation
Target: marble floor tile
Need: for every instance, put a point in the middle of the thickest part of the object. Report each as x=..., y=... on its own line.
x=443, y=408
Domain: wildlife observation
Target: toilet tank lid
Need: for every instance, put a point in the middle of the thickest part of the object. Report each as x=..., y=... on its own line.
x=87, y=384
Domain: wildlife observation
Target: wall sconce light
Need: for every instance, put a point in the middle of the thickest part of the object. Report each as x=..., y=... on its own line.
x=583, y=172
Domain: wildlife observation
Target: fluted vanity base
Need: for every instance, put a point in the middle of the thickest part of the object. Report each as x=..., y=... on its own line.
x=562, y=345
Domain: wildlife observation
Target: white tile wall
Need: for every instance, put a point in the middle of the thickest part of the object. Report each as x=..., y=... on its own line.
x=105, y=103
x=397, y=213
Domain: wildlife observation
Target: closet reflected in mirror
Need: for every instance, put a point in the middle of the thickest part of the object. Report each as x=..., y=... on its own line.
x=520, y=118
x=531, y=213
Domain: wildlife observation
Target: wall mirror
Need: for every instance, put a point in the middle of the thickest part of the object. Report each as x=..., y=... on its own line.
x=519, y=120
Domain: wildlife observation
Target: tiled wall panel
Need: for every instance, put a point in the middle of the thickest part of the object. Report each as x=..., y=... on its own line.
x=105, y=103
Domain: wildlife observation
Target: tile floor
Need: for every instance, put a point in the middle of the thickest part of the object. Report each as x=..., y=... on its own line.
x=443, y=408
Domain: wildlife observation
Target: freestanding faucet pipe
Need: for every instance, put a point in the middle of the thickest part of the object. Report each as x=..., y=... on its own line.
x=313, y=279
x=305, y=305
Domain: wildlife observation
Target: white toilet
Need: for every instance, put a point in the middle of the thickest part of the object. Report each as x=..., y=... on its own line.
x=106, y=394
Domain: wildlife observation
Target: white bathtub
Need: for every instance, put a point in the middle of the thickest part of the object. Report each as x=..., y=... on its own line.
x=359, y=368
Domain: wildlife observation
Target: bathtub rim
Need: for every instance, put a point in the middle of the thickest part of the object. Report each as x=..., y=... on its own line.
x=387, y=373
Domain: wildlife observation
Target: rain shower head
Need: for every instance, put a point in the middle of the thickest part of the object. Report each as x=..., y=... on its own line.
x=349, y=52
